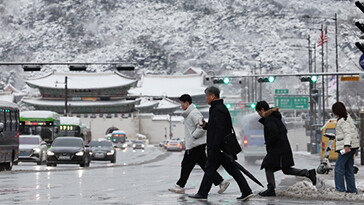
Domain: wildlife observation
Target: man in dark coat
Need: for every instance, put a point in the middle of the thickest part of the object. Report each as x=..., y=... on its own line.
x=279, y=154
x=219, y=126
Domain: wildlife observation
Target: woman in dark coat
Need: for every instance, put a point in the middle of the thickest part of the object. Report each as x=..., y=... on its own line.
x=279, y=153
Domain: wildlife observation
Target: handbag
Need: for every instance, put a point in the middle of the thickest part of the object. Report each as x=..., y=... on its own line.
x=230, y=144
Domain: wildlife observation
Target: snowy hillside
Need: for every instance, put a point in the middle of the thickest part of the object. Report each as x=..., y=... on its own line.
x=171, y=35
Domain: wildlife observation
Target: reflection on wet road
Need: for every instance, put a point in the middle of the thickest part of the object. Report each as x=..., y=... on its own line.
x=137, y=178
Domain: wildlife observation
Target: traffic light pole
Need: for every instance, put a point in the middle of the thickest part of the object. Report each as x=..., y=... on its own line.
x=337, y=60
x=65, y=96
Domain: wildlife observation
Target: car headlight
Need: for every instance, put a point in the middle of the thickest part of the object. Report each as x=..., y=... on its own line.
x=36, y=150
x=111, y=152
x=134, y=145
x=125, y=145
x=80, y=153
x=142, y=145
x=91, y=153
x=50, y=153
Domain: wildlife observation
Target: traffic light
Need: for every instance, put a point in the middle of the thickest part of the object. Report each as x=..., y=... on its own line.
x=228, y=106
x=308, y=79
x=315, y=95
x=77, y=67
x=253, y=105
x=359, y=45
x=125, y=67
x=225, y=80
x=359, y=5
x=270, y=79
x=29, y=68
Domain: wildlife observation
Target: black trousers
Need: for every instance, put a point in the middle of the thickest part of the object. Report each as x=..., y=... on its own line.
x=214, y=161
x=269, y=173
x=196, y=155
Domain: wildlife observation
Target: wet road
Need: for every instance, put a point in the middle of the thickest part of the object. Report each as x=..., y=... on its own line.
x=137, y=178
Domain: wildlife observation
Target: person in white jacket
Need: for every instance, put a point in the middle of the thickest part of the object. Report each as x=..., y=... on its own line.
x=347, y=143
x=195, y=139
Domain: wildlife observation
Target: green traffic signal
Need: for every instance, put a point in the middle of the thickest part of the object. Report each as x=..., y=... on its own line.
x=226, y=80
x=228, y=106
x=253, y=105
x=314, y=78
x=271, y=79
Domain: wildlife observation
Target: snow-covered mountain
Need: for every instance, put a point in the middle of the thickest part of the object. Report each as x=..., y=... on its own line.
x=171, y=35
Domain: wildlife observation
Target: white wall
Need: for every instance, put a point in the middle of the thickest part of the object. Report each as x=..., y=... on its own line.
x=154, y=129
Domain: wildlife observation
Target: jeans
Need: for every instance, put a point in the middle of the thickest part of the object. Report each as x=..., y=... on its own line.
x=196, y=155
x=344, y=168
x=269, y=173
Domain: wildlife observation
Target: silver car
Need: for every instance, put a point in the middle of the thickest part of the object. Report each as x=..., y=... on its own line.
x=174, y=145
x=32, y=149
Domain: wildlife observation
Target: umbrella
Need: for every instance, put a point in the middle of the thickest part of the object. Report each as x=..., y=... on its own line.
x=242, y=169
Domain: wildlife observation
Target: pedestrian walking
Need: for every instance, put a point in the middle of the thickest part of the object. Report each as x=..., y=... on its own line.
x=195, y=139
x=218, y=127
x=279, y=154
x=347, y=143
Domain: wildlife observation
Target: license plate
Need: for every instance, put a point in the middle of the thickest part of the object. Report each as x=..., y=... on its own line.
x=64, y=157
x=99, y=155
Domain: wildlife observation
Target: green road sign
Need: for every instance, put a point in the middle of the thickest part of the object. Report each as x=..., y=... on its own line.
x=291, y=102
x=281, y=91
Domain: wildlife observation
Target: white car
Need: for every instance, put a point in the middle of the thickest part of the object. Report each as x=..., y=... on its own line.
x=32, y=149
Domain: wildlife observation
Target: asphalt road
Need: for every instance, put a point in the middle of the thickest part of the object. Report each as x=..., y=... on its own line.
x=138, y=177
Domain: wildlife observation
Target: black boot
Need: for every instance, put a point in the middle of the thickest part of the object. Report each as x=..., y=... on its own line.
x=312, y=176
x=198, y=197
x=268, y=192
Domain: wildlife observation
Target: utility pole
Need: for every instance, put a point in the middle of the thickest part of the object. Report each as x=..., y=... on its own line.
x=260, y=84
x=65, y=96
x=323, y=77
x=310, y=91
x=337, y=59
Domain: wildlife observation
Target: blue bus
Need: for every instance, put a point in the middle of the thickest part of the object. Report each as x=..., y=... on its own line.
x=253, y=143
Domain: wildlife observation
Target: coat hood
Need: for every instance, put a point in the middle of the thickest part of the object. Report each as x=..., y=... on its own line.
x=188, y=110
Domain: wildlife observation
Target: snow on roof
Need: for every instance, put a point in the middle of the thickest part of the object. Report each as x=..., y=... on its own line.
x=77, y=103
x=194, y=70
x=7, y=104
x=70, y=121
x=39, y=114
x=82, y=80
x=146, y=103
x=172, y=86
x=166, y=103
x=11, y=88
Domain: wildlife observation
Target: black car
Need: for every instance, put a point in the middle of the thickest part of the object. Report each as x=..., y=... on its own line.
x=68, y=150
x=103, y=151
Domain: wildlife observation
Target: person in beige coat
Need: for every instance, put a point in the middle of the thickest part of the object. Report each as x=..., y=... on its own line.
x=347, y=143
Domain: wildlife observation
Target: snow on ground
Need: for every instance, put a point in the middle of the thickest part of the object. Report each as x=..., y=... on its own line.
x=305, y=190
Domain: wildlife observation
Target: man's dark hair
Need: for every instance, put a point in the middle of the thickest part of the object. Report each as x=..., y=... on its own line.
x=185, y=98
x=213, y=91
x=262, y=105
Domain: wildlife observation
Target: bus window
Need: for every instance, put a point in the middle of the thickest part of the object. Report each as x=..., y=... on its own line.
x=13, y=119
x=8, y=120
x=2, y=118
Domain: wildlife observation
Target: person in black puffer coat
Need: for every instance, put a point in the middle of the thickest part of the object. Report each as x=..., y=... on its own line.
x=279, y=153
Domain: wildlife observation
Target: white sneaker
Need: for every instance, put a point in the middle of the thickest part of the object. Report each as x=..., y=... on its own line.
x=223, y=186
x=177, y=189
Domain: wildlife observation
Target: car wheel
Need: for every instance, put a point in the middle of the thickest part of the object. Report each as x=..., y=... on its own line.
x=39, y=163
x=113, y=160
x=8, y=166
